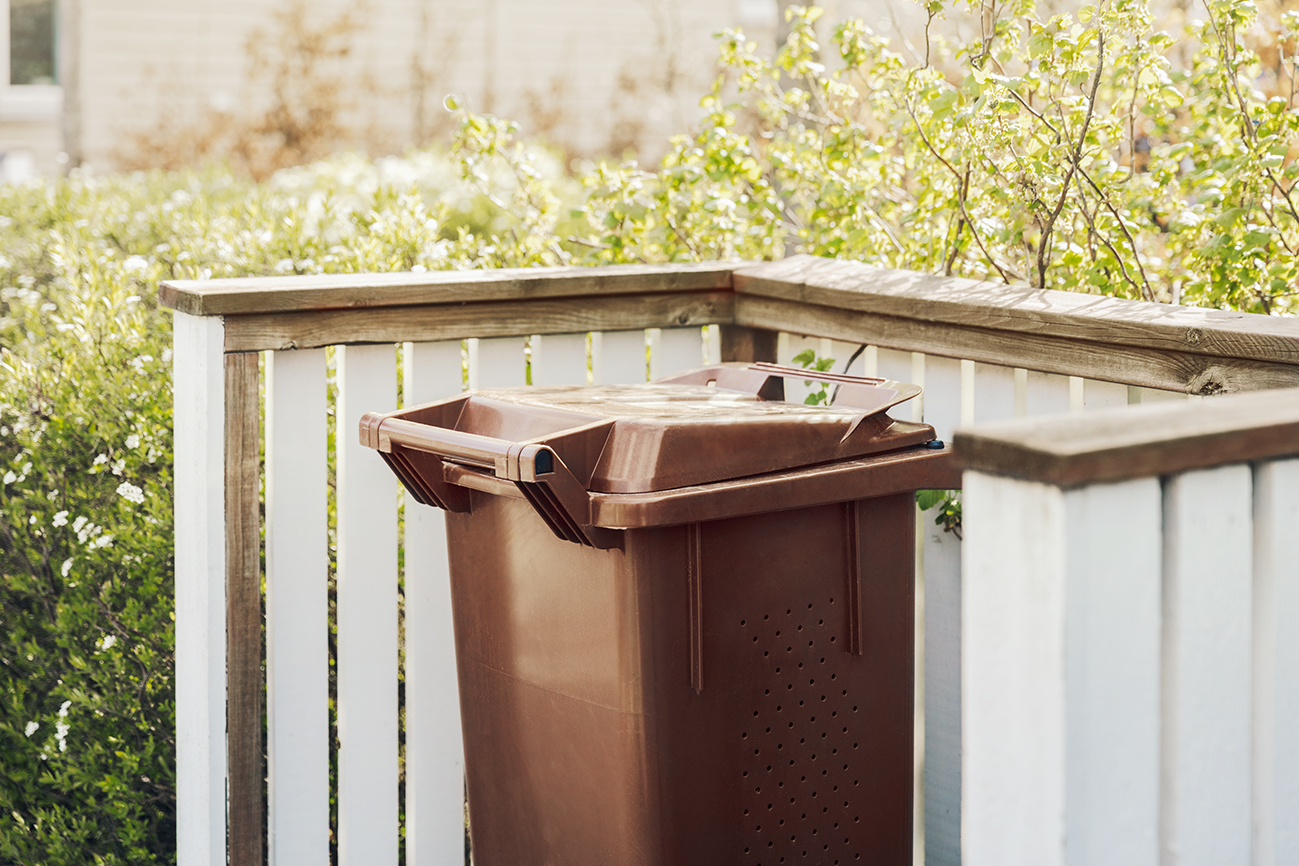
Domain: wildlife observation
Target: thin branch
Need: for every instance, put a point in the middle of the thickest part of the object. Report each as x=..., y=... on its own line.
x=1147, y=292
x=1044, y=245
x=1096, y=233
x=1033, y=111
x=960, y=199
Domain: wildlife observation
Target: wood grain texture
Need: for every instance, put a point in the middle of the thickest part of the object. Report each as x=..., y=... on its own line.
x=852, y=286
x=353, y=291
x=1072, y=356
x=243, y=610
x=1137, y=441
x=748, y=344
x=295, y=330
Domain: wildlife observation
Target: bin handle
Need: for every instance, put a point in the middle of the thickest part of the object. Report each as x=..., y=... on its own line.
x=537, y=470
x=785, y=370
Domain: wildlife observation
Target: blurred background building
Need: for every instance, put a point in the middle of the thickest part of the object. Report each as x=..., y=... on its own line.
x=121, y=84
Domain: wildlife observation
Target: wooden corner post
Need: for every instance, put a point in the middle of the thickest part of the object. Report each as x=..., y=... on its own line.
x=243, y=609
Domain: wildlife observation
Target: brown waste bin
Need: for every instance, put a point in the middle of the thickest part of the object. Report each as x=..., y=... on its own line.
x=683, y=615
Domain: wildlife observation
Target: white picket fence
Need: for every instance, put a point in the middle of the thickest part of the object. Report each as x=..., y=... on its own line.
x=1131, y=651
x=368, y=378
x=371, y=544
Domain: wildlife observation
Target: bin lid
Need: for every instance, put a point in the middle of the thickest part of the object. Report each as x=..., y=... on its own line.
x=714, y=424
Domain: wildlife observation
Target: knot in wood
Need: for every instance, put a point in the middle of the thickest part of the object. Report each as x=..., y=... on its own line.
x=1194, y=336
x=1210, y=382
x=683, y=318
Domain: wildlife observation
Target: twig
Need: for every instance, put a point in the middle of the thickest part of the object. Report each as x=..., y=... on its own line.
x=960, y=198
x=1148, y=292
x=1045, y=244
x=1096, y=233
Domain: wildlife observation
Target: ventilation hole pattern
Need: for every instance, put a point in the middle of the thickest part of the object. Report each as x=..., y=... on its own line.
x=799, y=804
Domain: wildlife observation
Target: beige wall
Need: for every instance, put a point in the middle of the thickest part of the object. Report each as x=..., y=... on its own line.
x=590, y=74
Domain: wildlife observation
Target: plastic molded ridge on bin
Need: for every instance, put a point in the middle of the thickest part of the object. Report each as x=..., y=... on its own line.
x=684, y=615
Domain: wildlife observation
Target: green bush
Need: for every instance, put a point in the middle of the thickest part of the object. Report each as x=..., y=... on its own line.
x=86, y=638
x=1097, y=155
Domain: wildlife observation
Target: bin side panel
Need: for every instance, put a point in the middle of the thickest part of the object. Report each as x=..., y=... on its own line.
x=794, y=744
x=548, y=660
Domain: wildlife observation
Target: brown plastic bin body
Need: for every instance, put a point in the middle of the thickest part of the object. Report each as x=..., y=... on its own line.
x=724, y=675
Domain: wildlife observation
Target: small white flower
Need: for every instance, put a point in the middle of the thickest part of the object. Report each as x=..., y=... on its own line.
x=100, y=460
x=135, y=263
x=78, y=523
x=31, y=521
x=67, y=566
x=133, y=441
x=119, y=465
x=10, y=477
x=61, y=519
x=102, y=541
x=61, y=729
x=130, y=492
x=107, y=642
x=32, y=727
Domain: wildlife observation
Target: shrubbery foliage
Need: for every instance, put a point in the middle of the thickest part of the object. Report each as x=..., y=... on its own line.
x=1091, y=153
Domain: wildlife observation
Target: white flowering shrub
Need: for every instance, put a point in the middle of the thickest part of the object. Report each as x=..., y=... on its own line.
x=87, y=718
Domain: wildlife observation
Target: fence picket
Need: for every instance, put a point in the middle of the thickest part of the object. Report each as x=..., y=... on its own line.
x=994, y=393
x=498, y=362
x=297, y=607
x=1103, y=395
x=435, y=816
x=841, y=352
x=941, y=580
x=673, y=350
x=559, y=359
x=1046, y=394
x=1011, y=674
x=942, y=694
x=1207, y=658
x=367, y=616
x=713, y=344
x=1276, y=663
x=618, y=357
x=1111, y=674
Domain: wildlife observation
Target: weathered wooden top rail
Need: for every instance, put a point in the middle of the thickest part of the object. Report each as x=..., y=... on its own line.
x=1133, y=342
x=1138, y=441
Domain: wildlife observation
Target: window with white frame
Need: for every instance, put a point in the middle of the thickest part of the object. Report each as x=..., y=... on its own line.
x=33, y=58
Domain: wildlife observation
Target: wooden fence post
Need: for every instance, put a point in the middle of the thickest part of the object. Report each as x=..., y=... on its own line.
x=748, y=344
x=243, y=608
